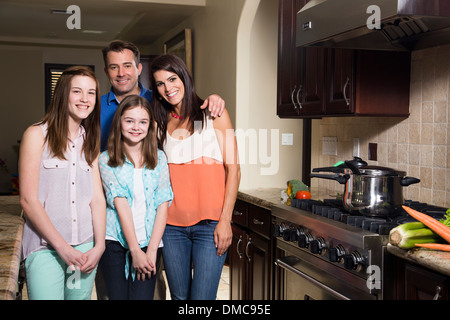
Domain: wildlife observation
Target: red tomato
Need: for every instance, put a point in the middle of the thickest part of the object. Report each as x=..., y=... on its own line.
x=303, y=195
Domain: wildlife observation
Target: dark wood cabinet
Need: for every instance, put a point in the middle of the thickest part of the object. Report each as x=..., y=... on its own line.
x=238, y=266
x=250, y=255
x=411, y=281
x=422, y=284
x=316, y=82
x=340, y=82
x=300, y=70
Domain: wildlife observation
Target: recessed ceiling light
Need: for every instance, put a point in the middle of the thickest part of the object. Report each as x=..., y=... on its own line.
x=93, y=31
x=59, y=11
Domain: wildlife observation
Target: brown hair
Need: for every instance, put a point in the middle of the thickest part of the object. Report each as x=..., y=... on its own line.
x=57, y=117
x=120, y=46
x=116, y=150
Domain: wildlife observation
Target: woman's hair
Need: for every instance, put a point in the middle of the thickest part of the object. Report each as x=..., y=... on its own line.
x=57, y=117
x=116, y=150
x=191, y=101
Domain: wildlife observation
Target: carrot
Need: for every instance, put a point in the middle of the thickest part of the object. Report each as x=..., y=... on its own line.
x=438, y=227
x=434, y=246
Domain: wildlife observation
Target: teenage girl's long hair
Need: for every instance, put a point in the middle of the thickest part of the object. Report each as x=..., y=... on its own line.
x=116, y=151
x=57, y=117
x=191, y=101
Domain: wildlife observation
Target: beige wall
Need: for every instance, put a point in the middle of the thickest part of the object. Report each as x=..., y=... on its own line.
x=273, y=164
x=235, y=55
x=418, y=145
x=22, y=90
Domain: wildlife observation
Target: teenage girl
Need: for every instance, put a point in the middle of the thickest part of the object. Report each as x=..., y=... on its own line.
x=61, y=192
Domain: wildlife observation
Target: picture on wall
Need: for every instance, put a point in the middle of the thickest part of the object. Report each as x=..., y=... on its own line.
x=181, y=45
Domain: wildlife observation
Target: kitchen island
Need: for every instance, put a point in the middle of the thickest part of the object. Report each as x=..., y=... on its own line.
x=11, y=230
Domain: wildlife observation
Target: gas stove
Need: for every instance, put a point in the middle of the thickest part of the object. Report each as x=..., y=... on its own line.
x=333, y=209
x=339, y=251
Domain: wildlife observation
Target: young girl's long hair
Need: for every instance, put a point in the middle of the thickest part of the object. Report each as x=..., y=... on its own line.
x=191, y=101
x=116, y=151
x=57, y=117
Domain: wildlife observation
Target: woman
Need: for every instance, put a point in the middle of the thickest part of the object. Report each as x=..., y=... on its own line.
x=204, y=173
x=137, y=186
x=61, y=192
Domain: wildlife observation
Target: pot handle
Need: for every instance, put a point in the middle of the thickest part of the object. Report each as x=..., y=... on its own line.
x=406, y=181
x=341, y=179
x=355, y=164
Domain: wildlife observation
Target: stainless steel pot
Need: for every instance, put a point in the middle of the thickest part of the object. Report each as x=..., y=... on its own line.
x=370, y=190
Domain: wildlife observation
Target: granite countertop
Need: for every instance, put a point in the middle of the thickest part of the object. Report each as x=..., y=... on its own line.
x=11, y=230
x=435, y=260
x=432, y=259
x=263, y=197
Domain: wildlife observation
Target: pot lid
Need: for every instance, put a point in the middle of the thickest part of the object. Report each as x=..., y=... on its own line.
x=360, y=167
x=380, y=171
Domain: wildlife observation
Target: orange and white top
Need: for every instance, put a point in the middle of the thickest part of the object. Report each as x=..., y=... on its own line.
x=197, y=175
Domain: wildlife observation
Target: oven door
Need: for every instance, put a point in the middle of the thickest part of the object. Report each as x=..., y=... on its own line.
x=300, y=286
x=303, y=276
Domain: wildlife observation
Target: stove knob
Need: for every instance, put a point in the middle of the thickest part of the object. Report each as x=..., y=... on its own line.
x=279, y=229
x=354, y=261
x=287, y=234
x=304, y=239
x=318, y=246
x=294, y=235
x=277, y=232
x=336, y=254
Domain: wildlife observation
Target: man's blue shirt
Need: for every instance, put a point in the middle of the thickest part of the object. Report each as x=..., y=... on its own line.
x=109, y=105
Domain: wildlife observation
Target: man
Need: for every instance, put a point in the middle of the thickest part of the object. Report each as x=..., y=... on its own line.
x=123, y=67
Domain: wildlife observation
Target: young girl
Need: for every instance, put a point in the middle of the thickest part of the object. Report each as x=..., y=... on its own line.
x=61, y=192
x=137, y=186
x=205, y=174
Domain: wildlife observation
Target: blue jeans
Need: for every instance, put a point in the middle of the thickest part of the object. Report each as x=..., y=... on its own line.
x=112, y=266
x=192, y=246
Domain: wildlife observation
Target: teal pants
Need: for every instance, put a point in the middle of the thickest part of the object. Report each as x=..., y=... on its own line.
x=50, y=278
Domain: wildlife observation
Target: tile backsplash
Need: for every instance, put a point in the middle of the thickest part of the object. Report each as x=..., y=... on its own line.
x=418, y=144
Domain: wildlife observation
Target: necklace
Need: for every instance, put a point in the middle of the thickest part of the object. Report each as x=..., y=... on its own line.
x=175, y=115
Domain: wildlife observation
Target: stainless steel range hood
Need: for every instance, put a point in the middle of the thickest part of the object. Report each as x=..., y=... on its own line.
x=405, y=25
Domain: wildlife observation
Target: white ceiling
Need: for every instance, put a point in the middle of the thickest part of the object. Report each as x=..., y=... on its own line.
x=139, y=21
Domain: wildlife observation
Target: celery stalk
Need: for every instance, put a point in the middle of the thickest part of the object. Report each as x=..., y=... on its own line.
x=407, y=235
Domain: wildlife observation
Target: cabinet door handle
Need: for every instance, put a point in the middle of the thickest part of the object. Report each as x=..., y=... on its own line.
x=237, y=213
x=347, y=100
x=246, y=249
x=292, y=97
x=237, y=247
x=438, y=293
x=258, y=222
x=298, y=97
